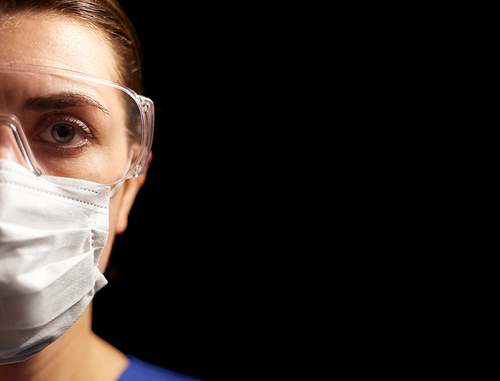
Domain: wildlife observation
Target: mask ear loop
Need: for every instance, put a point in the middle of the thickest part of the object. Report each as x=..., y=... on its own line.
x=118, y=186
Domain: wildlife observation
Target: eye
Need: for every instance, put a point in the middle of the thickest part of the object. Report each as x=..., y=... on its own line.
x=63, y=133
x=66, y=132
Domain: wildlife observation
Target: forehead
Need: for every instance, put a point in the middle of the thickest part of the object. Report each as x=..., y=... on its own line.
x=56, y=41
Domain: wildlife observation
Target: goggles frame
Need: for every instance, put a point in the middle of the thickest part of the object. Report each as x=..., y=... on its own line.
x=144, y=104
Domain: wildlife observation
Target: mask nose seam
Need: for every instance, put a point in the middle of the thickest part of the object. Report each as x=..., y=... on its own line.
x=52, y=194
x=17, y=173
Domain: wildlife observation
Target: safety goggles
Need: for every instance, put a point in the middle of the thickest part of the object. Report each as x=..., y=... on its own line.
x=60, y=123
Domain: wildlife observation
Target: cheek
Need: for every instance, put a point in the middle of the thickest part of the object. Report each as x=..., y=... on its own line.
x=114, y=209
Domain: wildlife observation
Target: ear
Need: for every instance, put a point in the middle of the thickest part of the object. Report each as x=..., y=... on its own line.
x=131, y=188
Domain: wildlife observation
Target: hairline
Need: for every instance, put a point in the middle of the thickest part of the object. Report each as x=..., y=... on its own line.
x=115, y=72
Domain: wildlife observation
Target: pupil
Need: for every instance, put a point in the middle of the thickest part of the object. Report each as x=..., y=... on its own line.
x=62, y=131
x=63, y=134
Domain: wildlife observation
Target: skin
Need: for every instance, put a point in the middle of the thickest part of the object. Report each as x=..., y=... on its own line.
x=58, y=41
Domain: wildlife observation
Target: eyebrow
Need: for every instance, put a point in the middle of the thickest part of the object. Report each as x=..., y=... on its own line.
x=62, y=101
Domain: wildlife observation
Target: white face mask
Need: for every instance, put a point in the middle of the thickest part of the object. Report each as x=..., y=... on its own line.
x=51, y=240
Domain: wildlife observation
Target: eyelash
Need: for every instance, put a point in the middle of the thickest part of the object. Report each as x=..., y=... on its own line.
x=54, y=119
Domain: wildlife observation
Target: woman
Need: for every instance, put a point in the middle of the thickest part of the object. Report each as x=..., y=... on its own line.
x=75, y=141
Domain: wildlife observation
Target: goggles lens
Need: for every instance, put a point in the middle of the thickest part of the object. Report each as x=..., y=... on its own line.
x=73, y=125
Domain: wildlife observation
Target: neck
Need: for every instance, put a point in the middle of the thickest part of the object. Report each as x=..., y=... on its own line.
x=77, y=355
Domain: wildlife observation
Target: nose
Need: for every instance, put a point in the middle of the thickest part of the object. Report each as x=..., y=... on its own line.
x=11, y=147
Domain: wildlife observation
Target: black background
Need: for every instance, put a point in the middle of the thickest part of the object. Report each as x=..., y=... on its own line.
x=212, y=275
x=197, y=287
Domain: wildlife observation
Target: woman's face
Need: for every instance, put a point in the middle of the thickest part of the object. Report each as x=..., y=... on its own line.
x=62, y=42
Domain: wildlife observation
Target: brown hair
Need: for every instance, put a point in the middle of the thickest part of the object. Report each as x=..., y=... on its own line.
x=108, y=16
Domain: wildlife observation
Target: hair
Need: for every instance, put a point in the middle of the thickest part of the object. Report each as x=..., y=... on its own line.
x=108, y=16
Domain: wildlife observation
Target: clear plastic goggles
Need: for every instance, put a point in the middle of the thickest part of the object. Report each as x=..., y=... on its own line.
x=61, y=123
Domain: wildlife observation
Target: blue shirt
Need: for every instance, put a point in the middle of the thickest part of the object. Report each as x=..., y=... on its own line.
x=142, y=371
